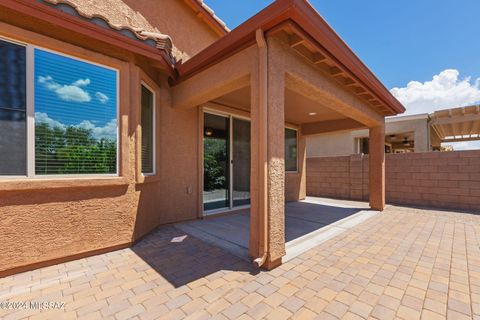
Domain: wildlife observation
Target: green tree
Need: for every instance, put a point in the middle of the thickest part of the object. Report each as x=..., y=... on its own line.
x=72, y=150
x=215, y=157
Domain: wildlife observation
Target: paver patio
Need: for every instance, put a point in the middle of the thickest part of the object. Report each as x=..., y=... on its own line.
x=404, y=263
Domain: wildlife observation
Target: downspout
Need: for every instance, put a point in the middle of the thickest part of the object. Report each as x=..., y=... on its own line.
x=263, y=156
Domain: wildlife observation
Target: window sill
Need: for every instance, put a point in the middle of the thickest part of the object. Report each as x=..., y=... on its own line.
x=60, y=183
x=144, y=179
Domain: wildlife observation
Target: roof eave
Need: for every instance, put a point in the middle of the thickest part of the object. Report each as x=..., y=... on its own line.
x=305, y=16
x=37, y=10
x=309, y=19
x=209, y=18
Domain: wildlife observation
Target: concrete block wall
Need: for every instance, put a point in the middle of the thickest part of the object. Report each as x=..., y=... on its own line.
x=447, y=180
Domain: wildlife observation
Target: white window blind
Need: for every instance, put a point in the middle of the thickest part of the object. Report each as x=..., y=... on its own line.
x=148, y=131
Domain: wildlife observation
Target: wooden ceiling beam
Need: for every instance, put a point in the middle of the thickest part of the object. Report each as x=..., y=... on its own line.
x=295, y=40
x=319, y=58
x=300, y=41
x=335, y=71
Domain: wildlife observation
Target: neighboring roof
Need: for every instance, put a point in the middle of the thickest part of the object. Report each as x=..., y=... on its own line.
x=200, y=7
x=420, y=116
x=457, y=124
x=309, y=30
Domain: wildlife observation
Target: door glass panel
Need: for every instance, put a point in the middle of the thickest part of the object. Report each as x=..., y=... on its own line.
x=12, y=142
x=13, y=108
x=216, y=157
x=241, y=162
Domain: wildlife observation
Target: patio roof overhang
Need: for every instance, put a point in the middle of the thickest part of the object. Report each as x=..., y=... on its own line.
x=457, y=124
x=309, y=35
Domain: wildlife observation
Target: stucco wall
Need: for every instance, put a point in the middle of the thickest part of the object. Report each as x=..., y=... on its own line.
x=438, y=179
x=344, y=143
x=47, y=219
x=331, y=144
x=173, y=17
x=173, y=197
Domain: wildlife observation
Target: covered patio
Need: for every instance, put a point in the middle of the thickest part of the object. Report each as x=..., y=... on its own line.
x=285, y=68
x=308, y=223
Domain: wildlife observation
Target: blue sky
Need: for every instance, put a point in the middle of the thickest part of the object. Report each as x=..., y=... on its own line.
x=425, y=51
x=70, y=92
x=399, y=40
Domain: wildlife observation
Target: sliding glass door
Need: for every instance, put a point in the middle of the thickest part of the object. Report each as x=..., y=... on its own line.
x=241, y=162
x=216, y=162
x=226, y=162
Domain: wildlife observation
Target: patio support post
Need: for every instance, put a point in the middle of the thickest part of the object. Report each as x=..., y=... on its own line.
x=267, y=215
x=377, y=167
x=276, y=155
x=258, y=173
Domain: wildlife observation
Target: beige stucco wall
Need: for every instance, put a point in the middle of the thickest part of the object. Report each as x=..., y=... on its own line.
x=344, y=143
x=48, y=219
x=173, y=17
x=330, y=144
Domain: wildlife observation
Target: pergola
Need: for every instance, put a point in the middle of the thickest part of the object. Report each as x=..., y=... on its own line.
x=457, y=124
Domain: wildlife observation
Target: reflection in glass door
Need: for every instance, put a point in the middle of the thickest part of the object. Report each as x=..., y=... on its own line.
x=226, y=162
x=216, y=162
x=241, y=162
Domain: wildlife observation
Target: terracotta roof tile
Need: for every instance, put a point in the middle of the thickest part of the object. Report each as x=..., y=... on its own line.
x=212, y=13
x=119, y=16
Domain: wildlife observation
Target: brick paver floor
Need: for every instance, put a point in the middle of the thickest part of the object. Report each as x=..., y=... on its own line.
x=402, y=264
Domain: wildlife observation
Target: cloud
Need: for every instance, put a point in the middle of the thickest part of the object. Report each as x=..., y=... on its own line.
x=109, y=131
x=103, y=98
x=81, y=83
x=72, y=92
x=445, y=90
x=42, y=117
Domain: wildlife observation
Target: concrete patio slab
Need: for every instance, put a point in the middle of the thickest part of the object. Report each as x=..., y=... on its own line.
x=307, y=223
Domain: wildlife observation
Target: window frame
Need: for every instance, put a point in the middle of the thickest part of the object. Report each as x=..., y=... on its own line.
x=154, y=131
x=30, y=115
x=297, y=143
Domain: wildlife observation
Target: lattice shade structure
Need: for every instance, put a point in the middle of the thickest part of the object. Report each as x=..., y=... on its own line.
x=458, y=124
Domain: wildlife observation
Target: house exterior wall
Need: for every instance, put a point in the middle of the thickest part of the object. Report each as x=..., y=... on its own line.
x=331, y=144
x=55, y=219
x=434, y=179
x=344, y=143
x=52, y=220
x=173, y=17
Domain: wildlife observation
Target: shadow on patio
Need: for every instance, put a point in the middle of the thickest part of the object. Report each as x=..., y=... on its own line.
x=307, y=224
x=188, y=260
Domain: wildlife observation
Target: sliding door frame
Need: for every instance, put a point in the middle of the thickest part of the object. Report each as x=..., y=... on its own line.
x=230, y=115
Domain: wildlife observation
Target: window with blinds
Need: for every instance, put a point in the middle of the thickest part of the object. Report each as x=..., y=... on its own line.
x=148, y=131
x=13, y=108
x=75, y=107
